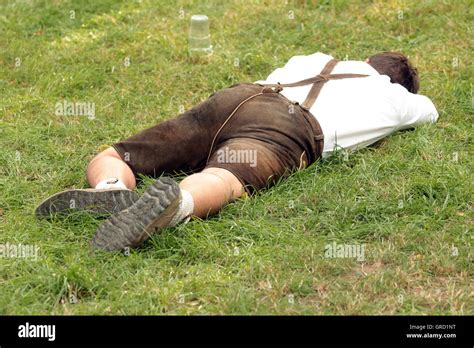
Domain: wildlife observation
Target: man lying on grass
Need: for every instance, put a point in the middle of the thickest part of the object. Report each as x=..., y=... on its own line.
x=243, y=139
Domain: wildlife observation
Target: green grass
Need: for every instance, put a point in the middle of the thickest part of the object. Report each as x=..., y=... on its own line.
x=409, y=200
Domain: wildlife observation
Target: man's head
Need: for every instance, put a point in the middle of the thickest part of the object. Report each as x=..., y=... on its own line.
x=398, y=68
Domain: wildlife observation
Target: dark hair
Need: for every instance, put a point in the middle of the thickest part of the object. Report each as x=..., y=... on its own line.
x=398, y=68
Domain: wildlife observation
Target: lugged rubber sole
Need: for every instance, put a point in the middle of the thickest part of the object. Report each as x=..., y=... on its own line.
x=132, y=226
x=105, y=201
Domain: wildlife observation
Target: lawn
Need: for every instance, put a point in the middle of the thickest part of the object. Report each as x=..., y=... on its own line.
x=408, y=201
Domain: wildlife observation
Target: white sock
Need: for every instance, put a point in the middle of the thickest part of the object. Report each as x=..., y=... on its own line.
x=185, y=210
x=110, y=183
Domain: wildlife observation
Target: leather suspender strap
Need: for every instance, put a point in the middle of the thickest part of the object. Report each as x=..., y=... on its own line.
x=316, y=88
x=316, y=78
x=318, y=82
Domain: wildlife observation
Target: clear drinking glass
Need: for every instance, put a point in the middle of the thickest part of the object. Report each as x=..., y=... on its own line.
x=199, y=37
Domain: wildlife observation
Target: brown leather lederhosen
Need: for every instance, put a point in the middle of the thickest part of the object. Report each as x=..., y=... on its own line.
x=317, y=82
x=245, y=117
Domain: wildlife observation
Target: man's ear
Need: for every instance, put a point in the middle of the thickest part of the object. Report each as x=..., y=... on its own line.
x=367, y=60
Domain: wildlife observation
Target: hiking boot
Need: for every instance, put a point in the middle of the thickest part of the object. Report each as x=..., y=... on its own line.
x=132, y=226
x=104, y=201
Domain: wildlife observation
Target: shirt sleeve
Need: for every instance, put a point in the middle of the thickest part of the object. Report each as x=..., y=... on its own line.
x=416, y=109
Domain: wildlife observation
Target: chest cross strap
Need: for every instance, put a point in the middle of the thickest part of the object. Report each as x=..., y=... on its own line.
x=318, y=82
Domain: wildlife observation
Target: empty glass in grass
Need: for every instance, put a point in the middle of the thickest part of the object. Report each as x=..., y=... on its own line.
x=199, y=36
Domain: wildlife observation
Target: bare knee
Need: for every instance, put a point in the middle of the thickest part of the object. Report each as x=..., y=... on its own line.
x=229, y=181
x=109, y=152
x=109, y=164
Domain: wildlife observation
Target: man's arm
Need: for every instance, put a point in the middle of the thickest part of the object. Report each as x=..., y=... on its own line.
x=415, y=109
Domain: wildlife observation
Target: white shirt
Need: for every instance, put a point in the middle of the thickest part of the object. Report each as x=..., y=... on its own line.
x=354, y=112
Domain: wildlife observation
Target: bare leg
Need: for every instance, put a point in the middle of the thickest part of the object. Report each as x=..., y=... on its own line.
x=105, y=165
x=109, y=164
x=211, y=190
